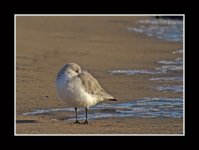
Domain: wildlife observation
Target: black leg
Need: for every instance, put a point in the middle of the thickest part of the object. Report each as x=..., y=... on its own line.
x=77, y=122
x=86, y=121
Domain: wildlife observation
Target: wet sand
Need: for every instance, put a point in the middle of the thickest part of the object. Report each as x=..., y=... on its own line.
x=97, y=44
x=37, y=125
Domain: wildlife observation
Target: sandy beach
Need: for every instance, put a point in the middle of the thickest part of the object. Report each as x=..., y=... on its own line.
x=37, y=125
x=97, y=44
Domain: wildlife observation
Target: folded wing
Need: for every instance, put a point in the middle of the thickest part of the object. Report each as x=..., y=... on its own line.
x=92, y=86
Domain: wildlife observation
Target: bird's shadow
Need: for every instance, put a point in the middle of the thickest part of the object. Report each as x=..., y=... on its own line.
x=26, y=121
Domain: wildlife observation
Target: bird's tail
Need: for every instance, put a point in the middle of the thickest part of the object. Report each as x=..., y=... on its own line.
x=108, y=97
x=112, y=99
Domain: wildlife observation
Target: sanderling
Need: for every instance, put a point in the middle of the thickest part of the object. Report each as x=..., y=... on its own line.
x=79, y=88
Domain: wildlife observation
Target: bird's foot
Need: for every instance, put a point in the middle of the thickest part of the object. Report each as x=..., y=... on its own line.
x=76, y=122
x=86, y=122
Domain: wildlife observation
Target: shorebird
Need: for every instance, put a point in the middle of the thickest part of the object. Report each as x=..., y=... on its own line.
x=79, y=88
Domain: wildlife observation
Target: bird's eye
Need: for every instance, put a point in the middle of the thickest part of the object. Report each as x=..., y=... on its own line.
x=76, y=71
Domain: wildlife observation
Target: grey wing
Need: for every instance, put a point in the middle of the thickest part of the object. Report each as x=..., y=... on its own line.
x=92, y=86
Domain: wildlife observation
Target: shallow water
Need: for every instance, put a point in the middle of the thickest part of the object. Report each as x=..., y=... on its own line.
x=167, y=79
x=167, y=66
x=165, y=29
x=140, y=108
x=169, y=71
x=177, y=61
x=136, y=72
x=173, y=88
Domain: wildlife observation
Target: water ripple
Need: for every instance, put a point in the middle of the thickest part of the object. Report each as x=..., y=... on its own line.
x=142, y=108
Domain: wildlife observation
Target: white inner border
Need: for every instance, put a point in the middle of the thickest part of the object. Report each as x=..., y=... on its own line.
x=99, y=134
